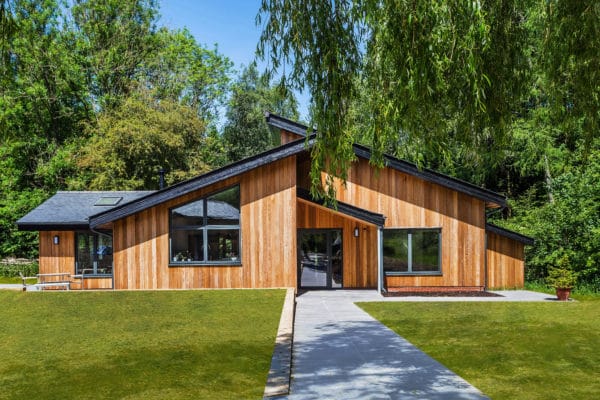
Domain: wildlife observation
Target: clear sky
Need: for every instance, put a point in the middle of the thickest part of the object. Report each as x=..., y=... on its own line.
x=228, y=23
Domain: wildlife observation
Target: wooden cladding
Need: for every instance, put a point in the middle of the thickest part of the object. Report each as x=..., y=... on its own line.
x=359, y=253
x=268, y=215
x=410, y=202
x=59, y=257
x=505, y=262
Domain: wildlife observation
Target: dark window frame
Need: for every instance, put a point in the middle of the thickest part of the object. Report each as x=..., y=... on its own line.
x=95, y=251
x=410, y=272
x=205, y=230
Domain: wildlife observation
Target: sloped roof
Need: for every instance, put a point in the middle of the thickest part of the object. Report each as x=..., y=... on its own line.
x=344, y=208
x=71, y=210
x=402, y=165
x=199, y=182
x=509, y=234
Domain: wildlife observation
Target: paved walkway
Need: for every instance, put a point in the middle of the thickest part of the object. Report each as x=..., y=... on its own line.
x=12, y=286
x=341, y=352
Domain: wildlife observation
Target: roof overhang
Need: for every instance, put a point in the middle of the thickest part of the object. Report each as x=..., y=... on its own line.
x=199, y=182
x=52, y=226
x=526, y=240
x=346, y=209
x=491, y=198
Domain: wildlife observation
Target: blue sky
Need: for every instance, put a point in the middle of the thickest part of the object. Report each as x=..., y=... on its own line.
x=228, y=23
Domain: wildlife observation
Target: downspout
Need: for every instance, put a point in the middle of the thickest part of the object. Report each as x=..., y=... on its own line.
x=380, y=277
x=485, y=263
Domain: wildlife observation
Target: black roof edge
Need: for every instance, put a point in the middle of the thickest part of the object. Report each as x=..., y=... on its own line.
x=509, y=234
x=284, y=123
x=435, y=177
x=344, y=208
x=198, y=182
x=52, y=226
x=402, y=166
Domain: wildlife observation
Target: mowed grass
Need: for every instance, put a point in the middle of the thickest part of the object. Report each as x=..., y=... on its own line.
x=137, y=345
x=507, y=350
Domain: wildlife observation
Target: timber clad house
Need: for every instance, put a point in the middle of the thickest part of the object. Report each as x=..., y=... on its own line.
x=253, y=224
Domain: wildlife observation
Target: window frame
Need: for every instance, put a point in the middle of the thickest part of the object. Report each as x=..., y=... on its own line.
x=205, y=228
x=410, y=272
x=95, y=259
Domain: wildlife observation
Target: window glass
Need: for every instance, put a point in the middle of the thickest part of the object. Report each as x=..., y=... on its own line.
x=224, y=207
x=395, y=250
x=187, y=245
x=94, y=254
x=188, y=215
x=223, y=245
x=425, y=251
x=411, y=251
x=207, y=230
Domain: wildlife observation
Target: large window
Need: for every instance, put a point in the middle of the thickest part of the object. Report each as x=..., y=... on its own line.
x=412, y=251
x=207, y=231
x=94, y=254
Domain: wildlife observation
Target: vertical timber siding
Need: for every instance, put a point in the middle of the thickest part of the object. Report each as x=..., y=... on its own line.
x=505, y=262
x=359, y=253
x=59, y=257
x=410, y=202
x=268, y=238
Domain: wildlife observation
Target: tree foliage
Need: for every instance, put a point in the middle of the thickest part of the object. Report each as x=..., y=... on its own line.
x=435, y=71
x=76, y=80
x=246, y=132
x=133, y=141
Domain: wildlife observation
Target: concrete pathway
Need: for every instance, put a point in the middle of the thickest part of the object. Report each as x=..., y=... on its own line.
x=341, y=352
x=11, y=286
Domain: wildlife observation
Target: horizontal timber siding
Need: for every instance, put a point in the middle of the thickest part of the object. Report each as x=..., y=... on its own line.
x=505, y=262
x=359, y=253
x=268, y=238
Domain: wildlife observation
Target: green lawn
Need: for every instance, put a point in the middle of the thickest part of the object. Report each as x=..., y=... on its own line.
x=507, y=350
x=137, y=345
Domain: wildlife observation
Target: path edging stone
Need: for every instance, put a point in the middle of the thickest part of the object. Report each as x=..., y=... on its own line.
x=278, y=380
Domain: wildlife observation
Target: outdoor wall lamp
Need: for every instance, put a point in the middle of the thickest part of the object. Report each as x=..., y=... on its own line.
x=55, y=239
x=356, y=232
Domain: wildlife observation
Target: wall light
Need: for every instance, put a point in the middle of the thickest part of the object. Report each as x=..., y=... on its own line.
x=55, y=239
x=356, y=232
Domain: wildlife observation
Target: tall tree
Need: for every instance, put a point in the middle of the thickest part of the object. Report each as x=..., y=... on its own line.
x=572, y=63
x=182, y=70
x=246, y=132
x=436, y=70
x=134, y=140
x=115, y=37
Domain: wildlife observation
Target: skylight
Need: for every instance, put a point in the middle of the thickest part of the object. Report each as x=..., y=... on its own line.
x=108, y=201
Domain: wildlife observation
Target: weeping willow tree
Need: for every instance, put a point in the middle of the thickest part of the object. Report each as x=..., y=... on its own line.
x=435, y=72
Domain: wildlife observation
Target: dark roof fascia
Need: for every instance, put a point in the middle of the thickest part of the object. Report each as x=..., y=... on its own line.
x=435, y=177
x=344, y=208
x=286, y=124
x=52, y=227
x=402, y=166
x=509, y=234
x=199, y=182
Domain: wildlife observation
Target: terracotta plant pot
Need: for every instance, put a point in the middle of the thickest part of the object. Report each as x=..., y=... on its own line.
x=563, y=293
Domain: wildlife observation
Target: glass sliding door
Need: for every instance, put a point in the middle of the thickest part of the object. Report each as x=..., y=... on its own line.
x=94, y=254
x=320, y=263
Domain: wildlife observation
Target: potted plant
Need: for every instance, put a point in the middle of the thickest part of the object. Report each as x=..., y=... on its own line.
x=562, y=278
